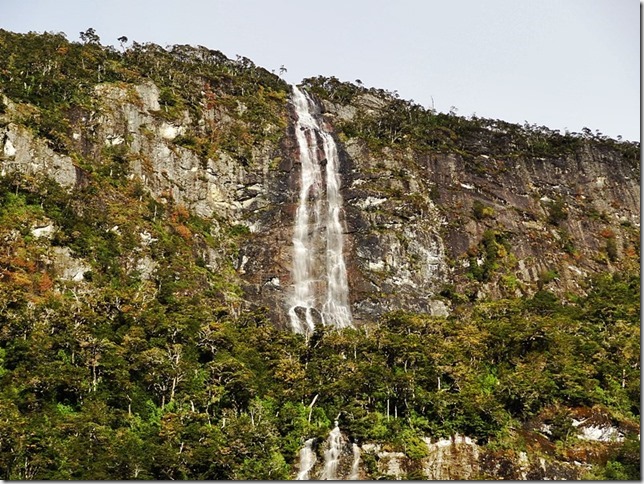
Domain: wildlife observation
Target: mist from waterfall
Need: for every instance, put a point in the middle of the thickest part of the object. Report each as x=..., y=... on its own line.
x=320, y=286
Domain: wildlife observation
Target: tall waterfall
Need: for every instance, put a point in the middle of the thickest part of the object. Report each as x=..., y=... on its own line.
x=321, y=290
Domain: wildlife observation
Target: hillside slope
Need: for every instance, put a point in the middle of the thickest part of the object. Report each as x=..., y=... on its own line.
x=146, y=222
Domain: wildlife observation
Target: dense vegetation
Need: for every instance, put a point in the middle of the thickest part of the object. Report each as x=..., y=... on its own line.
x=401, y=123
x=167, y=374
x=123, y=377
x=58, y=77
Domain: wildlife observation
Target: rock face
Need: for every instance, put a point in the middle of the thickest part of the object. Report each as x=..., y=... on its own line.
x=421, y=227
x=418, y=223
x=218, y=186
x=456, y=458
x=395, y=233
x=573, y=214
x=24, y=153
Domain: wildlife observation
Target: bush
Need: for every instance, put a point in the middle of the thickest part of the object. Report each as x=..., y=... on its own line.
x=481, y=211
x=557, y=212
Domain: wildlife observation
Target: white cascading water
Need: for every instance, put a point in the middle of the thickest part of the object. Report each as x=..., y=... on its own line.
x=332, y=455
x=320, y=283
x=355, y=467
x=307, y=460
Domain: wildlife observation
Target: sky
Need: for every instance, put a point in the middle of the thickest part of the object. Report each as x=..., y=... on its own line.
x=565, y=64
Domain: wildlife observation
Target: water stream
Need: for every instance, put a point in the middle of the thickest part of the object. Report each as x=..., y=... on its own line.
x=355, y=467
x=307, y=460
x=332, y=455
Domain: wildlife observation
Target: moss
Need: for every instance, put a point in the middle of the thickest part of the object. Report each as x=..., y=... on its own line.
x=557, y=211
x=481, y=211
x=510, y=283
x=567, y=242
x=547, y=277
x=239, y=230
x=611, y=249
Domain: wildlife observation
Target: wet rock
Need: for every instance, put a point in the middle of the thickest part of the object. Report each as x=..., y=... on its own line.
x=455, y=458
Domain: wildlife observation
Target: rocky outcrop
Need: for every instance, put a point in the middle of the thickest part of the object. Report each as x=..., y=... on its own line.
x=398, y=257
x=209, y=186
x=455, y=458
x=551, y=221
x=25, y=153
x=462, y=458
x=395, y=254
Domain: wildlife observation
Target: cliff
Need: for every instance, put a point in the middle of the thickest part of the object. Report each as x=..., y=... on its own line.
x=149, y=200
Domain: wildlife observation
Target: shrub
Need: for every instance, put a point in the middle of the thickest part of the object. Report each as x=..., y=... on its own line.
x=557, y=212
x=481, y=211
x=611, y=249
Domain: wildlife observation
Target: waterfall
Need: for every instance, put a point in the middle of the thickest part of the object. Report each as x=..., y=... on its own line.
x=332, y=455
x=355, y=467
x=321, y=290
x=307, y=460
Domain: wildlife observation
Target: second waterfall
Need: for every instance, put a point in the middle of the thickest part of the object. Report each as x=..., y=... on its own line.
x=320, y=287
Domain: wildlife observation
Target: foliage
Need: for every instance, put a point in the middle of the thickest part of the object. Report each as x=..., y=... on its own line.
x=557, y=212
x=493, y=247
x=481, y=211
x=58, y=77
x=119, y=377
x=382, y=119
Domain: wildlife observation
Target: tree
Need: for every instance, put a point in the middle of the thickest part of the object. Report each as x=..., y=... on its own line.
x=90, y=37
x=122, y=40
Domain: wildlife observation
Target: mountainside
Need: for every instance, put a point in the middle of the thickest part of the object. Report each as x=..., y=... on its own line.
x=149, y=201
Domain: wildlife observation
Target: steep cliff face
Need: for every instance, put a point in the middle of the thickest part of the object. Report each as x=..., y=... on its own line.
x=424, y=228
x=394, y=253
x=495, y=222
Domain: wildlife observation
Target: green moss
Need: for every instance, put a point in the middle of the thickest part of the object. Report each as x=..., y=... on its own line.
x=481, y=211
x=611, y=249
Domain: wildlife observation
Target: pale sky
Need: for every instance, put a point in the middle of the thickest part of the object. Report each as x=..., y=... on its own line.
x=565, y=64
